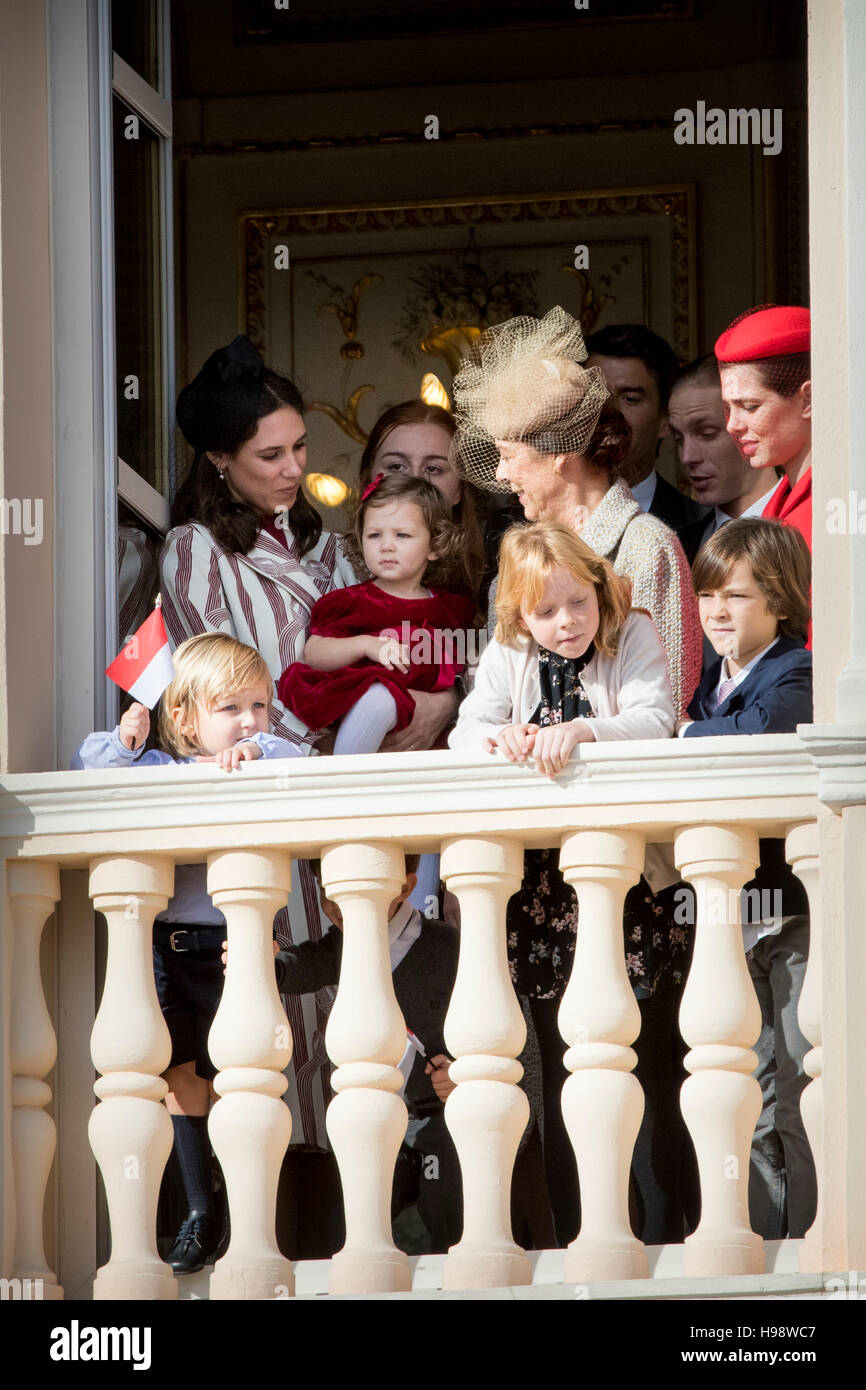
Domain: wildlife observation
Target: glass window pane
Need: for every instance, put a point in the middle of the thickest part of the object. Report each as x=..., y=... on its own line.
x=135, y=36
x=141, y=432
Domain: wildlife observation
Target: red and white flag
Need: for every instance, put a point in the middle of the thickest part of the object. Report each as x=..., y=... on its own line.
x=145, y=667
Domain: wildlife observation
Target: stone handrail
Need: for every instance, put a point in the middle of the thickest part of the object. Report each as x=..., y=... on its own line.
x=708, y=799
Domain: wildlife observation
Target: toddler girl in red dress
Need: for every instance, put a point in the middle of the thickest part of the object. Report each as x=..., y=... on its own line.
x=406, y=628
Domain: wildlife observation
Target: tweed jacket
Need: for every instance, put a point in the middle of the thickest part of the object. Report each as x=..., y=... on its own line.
x=264, y=599
x=630, y=693
x=680, y=513
x=648, y=553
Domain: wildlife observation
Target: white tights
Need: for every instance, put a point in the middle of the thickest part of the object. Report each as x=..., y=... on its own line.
x=364, y=727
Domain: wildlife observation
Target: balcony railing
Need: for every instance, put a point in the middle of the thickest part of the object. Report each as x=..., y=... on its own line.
x=710, y=799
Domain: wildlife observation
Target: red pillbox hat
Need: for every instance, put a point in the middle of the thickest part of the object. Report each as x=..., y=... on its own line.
x=775, y=332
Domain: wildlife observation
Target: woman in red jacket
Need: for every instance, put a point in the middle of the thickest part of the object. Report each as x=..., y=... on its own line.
x=765, y=370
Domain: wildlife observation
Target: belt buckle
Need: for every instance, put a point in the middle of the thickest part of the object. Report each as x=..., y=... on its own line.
x=180, y=932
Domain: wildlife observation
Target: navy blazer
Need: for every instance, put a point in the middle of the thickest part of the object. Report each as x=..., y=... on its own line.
x=774, y=698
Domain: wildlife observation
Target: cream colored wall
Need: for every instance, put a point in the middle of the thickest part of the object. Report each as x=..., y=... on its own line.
x=830, y=384
x=26, y=441
x=837, y=140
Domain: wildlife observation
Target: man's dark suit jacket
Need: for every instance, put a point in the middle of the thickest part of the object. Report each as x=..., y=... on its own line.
x=774, y=698
x=685, y=517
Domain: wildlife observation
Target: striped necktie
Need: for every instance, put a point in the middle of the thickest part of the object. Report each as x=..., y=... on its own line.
x=724, y=691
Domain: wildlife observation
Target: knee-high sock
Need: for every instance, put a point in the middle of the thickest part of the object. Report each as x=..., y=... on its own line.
x=367, y=723
x=196, y=1164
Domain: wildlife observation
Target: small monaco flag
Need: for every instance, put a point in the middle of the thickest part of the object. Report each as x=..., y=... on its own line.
x=144, y=667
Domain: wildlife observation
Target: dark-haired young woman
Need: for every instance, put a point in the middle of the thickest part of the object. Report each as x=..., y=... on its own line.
x=247, y=555
x=415, y=438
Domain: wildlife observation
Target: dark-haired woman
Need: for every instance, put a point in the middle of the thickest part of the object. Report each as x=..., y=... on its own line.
x=247, y=556
x=530, y=416
x=247, y=553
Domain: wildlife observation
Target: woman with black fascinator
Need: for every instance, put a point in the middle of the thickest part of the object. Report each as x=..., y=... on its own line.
x=248, y=556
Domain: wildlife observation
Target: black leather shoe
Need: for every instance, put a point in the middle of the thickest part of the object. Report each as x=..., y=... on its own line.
x=195, y=1245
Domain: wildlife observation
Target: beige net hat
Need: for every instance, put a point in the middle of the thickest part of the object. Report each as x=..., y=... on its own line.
x=524, y=382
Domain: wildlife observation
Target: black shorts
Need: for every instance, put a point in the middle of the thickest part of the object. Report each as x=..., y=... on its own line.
x=189, y=986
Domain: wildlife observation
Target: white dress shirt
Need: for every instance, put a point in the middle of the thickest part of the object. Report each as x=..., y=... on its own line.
x=643, y=493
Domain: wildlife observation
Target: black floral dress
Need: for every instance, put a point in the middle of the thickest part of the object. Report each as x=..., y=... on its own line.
x=541, y=920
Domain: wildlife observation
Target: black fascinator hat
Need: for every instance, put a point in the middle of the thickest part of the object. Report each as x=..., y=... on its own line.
x=214, y=411
x=219, y=412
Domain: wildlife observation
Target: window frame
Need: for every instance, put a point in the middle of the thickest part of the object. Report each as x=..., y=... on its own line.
x=154, y=109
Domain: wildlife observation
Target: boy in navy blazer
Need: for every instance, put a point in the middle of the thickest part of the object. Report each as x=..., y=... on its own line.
x=753, y=580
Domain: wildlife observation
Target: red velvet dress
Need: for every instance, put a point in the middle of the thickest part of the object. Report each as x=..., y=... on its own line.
x=322, y=697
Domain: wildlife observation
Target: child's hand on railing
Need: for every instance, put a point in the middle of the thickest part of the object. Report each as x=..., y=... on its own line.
x=516, y=742
x=231, y=758
x=134, y=726
x=555, y=744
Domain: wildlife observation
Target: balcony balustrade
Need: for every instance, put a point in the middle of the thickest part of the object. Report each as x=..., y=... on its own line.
x=708, y=800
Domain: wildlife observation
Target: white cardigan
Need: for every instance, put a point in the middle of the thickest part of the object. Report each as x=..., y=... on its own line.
x=630, y=693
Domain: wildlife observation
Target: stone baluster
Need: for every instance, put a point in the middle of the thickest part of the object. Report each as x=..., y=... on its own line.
x=130, y=1130
x=802, y=853
x=485, y=1031
x=602, y=1102
x=33, y=889
x=251, y=1042
x=366, y=1038
x=720, y=1019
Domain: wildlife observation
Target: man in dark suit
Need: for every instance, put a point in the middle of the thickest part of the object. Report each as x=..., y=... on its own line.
x=640, y=368
x=721, y=478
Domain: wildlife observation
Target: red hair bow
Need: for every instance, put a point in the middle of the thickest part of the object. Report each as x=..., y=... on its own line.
x=371, y=487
